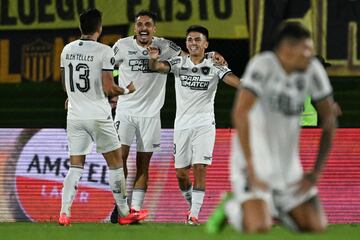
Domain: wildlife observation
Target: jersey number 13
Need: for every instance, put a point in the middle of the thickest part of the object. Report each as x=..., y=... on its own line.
x=83, y=70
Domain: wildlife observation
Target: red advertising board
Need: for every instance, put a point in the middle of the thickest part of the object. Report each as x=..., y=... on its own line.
x=34, y=162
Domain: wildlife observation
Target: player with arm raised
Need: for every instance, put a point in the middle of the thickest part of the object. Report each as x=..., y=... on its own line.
x=196, y=79
x=138, y=115
x=86, y=73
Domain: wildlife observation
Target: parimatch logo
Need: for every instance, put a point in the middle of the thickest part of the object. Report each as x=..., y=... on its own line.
x=140, y=65
x=193, y=82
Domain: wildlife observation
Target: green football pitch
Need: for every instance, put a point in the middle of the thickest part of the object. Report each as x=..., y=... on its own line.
x=163, y=231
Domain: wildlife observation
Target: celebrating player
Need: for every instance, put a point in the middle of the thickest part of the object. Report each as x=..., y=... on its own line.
x=196, y=79
x=266, y=172
x=86, y=71
x=138, y=114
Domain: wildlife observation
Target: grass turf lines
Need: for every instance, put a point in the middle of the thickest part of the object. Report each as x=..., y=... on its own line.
x=149, y=231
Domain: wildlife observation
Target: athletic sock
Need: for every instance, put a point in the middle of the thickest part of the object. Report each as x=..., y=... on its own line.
x=137, y=200
x=234, y=214
x=117, y=184
x=187, y=195
x=196, y=202
x=69, y=189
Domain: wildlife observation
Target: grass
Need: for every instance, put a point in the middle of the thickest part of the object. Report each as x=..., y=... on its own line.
x=149, y=231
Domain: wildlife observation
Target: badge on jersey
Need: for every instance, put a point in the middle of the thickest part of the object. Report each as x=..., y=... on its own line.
x=205, y=70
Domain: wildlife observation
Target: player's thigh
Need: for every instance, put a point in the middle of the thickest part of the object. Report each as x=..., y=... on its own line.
x=182, y=148
x=310, y=216
x=105, y=136
x=148, y=134
x=126, y=128
x=80, y=141
x=202, y=142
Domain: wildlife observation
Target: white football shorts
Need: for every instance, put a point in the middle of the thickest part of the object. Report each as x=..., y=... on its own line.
x=284, y=199
x=147, y=131
x=194, y=146
x=82, y=133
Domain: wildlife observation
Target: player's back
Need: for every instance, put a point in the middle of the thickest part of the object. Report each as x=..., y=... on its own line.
x=83, y=62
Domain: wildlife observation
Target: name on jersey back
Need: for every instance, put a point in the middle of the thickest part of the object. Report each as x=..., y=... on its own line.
x=79, y=57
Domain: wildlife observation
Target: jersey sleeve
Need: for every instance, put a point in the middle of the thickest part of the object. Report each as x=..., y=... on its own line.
x=320, y=86
x=108, y=60
x=168, y=49
x=255, y=75
x=221, y=71
x=175, y=64
x=118, y=57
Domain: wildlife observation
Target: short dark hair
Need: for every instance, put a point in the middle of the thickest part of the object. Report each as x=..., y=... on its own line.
x=198, y=28
x=148, y=13
x=290, y=31
x=90, y=21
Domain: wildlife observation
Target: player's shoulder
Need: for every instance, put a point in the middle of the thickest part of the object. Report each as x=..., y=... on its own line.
x=209, y=62
x=315, y=65
x=163, y=42
x=124, y=41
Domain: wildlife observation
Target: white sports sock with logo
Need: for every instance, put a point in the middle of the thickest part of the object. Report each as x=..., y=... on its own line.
x=187, y=195
x=196, y=202
x=69, y=189
x=117, y=184
x=137, y=200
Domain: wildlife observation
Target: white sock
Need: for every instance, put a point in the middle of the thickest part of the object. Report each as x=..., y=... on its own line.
x=137, y=200
x=187, y=195
x=234, y=214
x=69, y=189
x=196, y=202
x=117, y=184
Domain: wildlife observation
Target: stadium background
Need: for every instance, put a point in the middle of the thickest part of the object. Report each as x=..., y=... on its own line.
x=33, y=151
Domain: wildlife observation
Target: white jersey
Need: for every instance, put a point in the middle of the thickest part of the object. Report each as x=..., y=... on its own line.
x=195, y=87
x=83, y=62
x=149, y=96
x=274, y=119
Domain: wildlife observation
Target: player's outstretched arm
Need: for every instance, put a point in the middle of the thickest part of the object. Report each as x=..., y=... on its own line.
x=232, y=80
x=109, y=86
x=240, y=116
x=155, y=64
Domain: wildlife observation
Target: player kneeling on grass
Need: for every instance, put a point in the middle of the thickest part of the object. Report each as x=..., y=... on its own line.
x=266, y=174
x=196, y=79
x=86, y=73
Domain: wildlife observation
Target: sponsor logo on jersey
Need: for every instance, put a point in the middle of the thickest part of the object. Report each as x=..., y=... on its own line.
x=193, y=82
x=286, y=105
x=156, y=145
x=145, y=52
x=175, y=61
x=194, y=70
x=207, y=158
x=139, y=65
x=174, y=47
